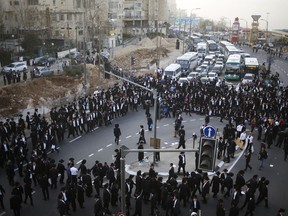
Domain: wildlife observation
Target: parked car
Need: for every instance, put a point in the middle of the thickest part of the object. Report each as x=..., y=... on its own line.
x=248, y=78
x=45, y=61
x=193, y=75
x=182, y=80
x=212, y=76
x=15, y=67
x=43, y=72
x=203, y=71
x=220, y=63
x=217, y=69
x=204, y=80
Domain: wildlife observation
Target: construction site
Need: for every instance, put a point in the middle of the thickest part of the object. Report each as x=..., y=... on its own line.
x=55, y=91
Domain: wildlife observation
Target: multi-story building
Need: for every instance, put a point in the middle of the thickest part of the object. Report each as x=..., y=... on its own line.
x=73, y=21
x=142, y=16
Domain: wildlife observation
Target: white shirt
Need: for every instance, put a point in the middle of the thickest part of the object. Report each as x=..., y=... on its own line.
x=74, y=171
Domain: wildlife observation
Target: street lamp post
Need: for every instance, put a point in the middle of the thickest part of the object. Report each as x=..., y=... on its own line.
x=190, y=33
x=266, y=35
x=245, y=27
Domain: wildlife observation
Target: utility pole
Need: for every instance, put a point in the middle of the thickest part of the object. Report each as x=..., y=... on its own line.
x=85, y=51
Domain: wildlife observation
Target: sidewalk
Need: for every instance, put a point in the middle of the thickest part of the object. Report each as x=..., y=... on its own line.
x=162, y=167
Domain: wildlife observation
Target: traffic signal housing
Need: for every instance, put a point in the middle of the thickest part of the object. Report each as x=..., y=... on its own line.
x=207, y=154
x=133, y=59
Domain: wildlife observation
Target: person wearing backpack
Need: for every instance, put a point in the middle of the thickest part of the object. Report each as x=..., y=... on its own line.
x=263, y=155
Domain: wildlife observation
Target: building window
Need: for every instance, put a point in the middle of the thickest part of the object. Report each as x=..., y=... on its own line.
x=54, y=2
x=33, y=2
x=69, y=16
x=80, y=32
x=16, y=3
x=16, y=18
x=62, y=17
x=78, y=3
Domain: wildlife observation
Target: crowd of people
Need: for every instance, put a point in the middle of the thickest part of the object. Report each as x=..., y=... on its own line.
x=261, y=105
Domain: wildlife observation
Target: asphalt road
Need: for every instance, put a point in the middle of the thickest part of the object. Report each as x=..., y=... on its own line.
x=99, y=145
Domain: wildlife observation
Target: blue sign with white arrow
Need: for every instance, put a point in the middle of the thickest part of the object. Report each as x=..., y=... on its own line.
x=209, y=132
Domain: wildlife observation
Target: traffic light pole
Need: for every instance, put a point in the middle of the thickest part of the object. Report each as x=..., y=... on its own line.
x=124, y=151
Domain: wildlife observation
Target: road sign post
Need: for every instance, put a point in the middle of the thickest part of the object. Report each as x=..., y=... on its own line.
x=209, y=132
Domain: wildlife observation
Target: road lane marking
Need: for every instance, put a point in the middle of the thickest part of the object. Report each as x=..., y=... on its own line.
x=128, y=136
x=95, y=128
x=163, y=147
x=193, y=120
x=166, y=143
x=2, y=213
x=91, y=155
x=165, y=125
x=79, y=162
x=75, y=139
x=34, y=192
x=100, y=150
x=109, y=145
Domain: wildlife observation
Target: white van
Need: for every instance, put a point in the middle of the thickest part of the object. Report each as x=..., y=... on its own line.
x=173, y=71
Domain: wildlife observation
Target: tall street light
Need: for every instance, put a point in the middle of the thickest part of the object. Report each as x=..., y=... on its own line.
x=266, y=35
x=191, y=12
x=245, y=27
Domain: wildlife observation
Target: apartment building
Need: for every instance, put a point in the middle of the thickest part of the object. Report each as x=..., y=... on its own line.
x=73, y=21
x=142, y=16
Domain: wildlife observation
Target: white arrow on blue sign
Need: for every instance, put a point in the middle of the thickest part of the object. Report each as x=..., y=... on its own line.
x=209, y=132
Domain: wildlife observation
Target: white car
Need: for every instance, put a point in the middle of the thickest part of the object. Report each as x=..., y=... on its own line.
x=248, y=78
x=220, y=63
x=212, y=76
x=15, y=67
x=182, y=80
x=193, y=75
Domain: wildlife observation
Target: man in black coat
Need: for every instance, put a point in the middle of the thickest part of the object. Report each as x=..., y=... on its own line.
x=61, y=170
x=171, y=171
x=195, y=205
x=138, y=204
x=98, y=208
x=182, y=162
x=15, y=204
x=215, y=182
x=106, y=197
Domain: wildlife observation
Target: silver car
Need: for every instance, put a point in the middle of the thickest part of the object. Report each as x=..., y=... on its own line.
x=43, y=71
x=15, y=67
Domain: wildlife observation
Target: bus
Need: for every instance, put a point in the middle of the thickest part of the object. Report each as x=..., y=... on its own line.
x=188, y=61
x=230, y=50
x=251, y=65
x=209, y=37
x=233, y=67
x=212, y=45
x=194, y=41
x=223, y=44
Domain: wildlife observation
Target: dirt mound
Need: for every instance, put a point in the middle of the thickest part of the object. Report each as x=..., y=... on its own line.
x=143, y=57
x=146, y=42
x=161, y=41
x=15, y=97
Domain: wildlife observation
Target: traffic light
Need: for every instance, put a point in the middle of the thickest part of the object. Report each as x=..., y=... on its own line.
x=133, y=60
x=207, y=154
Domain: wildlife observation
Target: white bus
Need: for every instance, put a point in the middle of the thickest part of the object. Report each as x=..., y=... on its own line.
x=188, y=61
x=233, y=67
x=172, y=71
x=194, y=41
x=223, y=44
x=212, y=45
x=230, y=50
x=202, y=49
x=251, y=65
